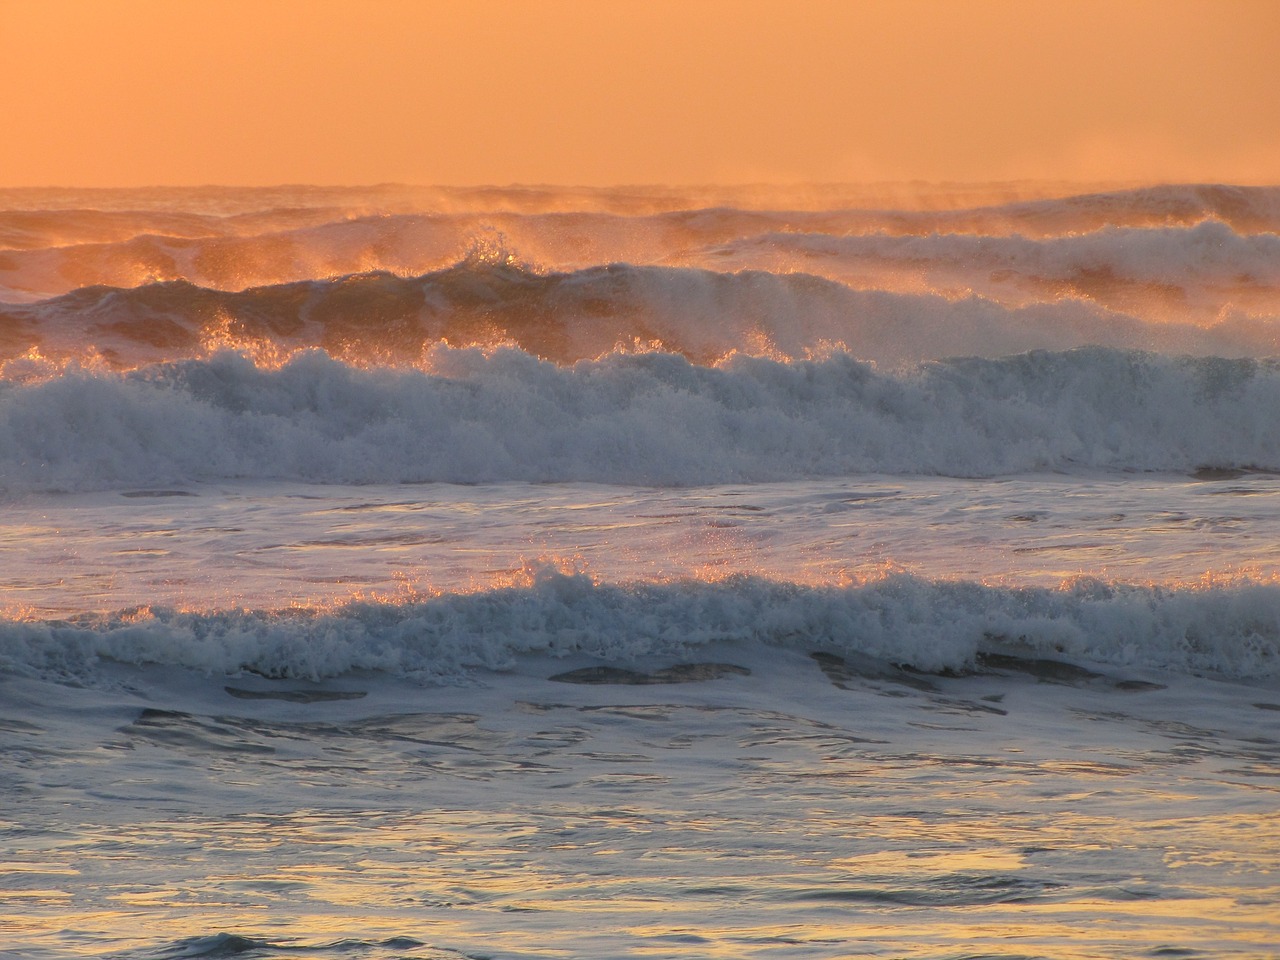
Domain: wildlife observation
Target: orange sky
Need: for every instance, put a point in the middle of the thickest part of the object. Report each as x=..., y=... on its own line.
x=132, y=92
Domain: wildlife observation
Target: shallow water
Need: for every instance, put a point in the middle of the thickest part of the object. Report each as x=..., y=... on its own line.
x=803, y=810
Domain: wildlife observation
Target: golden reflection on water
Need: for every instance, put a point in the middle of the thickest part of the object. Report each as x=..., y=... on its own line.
x=707, y=885
x=864, y=822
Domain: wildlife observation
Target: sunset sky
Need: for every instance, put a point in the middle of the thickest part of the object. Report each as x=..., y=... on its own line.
x=137, y=92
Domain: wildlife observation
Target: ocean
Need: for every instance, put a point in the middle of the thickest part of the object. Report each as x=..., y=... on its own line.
x=762, y=572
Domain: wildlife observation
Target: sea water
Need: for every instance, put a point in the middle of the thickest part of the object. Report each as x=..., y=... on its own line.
x=514, y=573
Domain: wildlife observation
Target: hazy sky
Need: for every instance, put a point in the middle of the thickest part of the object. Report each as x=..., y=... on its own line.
x=131, y=92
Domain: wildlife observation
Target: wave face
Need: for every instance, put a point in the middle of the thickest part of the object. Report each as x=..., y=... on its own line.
x=654, y=418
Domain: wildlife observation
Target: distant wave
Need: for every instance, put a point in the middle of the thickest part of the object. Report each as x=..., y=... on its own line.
x=1229, y=630
x=649, y=418
x=1244, y=209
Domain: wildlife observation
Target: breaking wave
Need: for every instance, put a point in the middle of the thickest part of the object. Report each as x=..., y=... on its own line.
x=650, y=418
x=1231, y=630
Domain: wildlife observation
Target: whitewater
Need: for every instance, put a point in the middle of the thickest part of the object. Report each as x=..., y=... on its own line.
x=530, y=572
